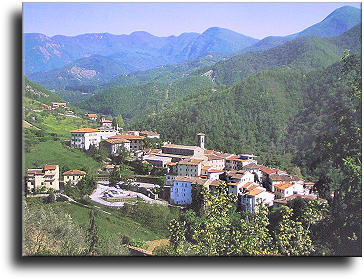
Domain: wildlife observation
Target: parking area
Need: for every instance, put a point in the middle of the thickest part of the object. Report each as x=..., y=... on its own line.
x=116, y=197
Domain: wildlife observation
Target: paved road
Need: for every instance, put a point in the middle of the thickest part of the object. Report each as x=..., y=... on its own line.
x=103, y=187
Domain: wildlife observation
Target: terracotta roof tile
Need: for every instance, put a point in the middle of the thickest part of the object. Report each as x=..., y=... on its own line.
x=50, y=167
x=128, y=137
x=74, y=172
x=283, y=186
x=85, y=130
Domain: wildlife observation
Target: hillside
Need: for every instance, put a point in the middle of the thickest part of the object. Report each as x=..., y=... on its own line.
x=339, y=21
x=167, y=73
x=256, y=115
x=46, y=143
x=39, y=93
x=85, y=71
x=146, y=92
x=129, y=101
x=336, y=23
x=305, y=53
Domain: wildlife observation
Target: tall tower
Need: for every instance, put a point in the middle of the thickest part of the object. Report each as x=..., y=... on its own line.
x=201, y=140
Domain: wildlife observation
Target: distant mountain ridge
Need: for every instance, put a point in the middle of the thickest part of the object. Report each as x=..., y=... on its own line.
x=43, y=53
x=301, y=53
x=336, y=23
x=89, y=60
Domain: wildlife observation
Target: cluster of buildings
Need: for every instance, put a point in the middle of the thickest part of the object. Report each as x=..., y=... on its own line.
x=187, y=166
x=110, y=137
x=252, y=183
x=48, y=177
x=54, y=105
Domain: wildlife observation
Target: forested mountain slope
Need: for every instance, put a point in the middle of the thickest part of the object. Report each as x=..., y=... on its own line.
x=306, y=53
x=85, y=71
x=129, y=101
x=37, y=92
x=267, y=114
x=299, y=55
x=339, y=21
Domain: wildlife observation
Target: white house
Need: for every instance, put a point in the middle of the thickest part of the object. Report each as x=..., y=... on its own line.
x=105, y=122
x=92, y=116
x=285, y=190
x=85, y=137
x=189, y=167
x=240, y=176
x=73, y=176
x=237, y=162
x=255, y=169
x=149, y=134
x=115, y=145
x=107, y=132
x=215, y=161
x=213, y=174
x=157, y=161
x=47, y=177
x=252, y=198
x=136, y=142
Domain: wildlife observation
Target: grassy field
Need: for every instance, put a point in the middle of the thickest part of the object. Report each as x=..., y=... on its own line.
x=54, y=152
x=61, y=125
x=110, y=226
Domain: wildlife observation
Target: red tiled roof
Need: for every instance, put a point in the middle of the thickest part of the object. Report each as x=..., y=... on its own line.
x=233, y=158
x=215, y=171
x=283, y=186
x=117, y=140
x=84, y=130
x=74, y=172
x=255, y=192
x=50, y=167
x=269, y=171
x=34, y=171
x=128, y=137
x=192, y=162
x=276, y=177
x=92, y=115
x=246, y=185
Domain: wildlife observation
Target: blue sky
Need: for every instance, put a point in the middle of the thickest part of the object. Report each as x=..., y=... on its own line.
x=257, y=20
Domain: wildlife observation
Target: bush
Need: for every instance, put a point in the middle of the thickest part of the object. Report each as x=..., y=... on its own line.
x=125, y=239
x=139, y=244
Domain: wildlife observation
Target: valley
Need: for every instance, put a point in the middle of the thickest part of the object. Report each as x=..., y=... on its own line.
x=278, y=125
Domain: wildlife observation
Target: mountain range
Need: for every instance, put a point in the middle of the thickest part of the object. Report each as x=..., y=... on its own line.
x=61, y=62
x=271, y=102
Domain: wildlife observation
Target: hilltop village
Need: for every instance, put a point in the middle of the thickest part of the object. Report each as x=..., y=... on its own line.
x=183, y=166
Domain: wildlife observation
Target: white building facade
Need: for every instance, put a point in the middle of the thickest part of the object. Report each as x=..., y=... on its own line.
x=85, y=137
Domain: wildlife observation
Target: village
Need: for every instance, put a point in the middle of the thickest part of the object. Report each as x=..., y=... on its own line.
x=183, y=166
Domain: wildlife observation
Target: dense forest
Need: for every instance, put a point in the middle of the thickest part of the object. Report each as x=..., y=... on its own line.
x=293, y=101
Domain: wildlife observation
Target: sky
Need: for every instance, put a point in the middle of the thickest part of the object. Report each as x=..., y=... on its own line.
x=257, y=20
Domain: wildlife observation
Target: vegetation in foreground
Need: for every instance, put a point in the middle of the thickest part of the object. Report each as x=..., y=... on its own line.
x=62, y=228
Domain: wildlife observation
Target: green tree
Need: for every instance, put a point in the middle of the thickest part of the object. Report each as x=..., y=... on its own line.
x=51, y=196
x=114, y=176
x=290, y=236
x=255, y=239
x=118, y=122
x=92, y=233
x=50, y=232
